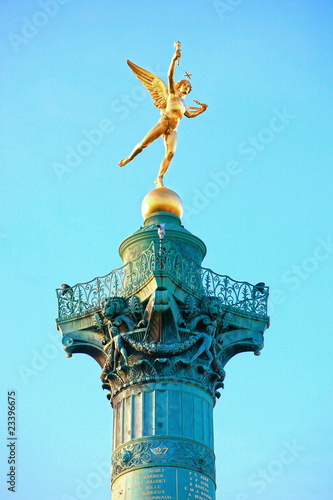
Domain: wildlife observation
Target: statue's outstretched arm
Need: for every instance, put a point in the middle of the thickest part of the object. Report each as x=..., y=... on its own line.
x=196, y=111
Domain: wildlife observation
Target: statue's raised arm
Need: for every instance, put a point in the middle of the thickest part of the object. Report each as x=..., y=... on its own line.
x=170, y=100
x=176, y=58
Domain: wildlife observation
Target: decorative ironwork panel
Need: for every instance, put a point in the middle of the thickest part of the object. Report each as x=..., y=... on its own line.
x=203, y=281
x=119, y=282
x=166, y=260
x=239, y=294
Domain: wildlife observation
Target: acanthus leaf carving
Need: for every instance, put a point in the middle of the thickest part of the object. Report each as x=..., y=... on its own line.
x=142, y=369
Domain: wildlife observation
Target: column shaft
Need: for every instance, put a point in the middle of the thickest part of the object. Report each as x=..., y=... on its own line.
x=163, y=443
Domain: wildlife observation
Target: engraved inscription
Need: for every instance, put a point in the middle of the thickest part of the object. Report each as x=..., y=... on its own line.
x=198, y=487
x=166, y=483
x=153, y=485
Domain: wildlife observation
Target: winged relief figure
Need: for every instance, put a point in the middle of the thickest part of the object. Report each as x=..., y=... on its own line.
x=170, y=100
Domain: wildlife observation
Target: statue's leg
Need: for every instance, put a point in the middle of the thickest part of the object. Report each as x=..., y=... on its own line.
x=209, y=354
x=115, y=360
x=198, y=353
x=153, y=134
x=124, y=353
x=170, y=141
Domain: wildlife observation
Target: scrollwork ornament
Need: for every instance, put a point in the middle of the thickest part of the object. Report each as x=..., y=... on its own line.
x=157, y=452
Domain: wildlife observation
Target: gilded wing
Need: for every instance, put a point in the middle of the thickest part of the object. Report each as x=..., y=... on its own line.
x=157, y=88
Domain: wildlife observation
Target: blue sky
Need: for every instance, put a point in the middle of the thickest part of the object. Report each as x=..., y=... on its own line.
x=255, y=175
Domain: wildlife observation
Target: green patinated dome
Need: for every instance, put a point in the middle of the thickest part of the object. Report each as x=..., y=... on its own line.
x=163, y=206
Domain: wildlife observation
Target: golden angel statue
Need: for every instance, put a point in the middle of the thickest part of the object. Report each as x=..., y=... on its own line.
x=170, y=100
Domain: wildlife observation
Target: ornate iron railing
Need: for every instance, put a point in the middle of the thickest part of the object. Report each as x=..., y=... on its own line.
x=123, y=281
x=165, y=260
x=203, y=281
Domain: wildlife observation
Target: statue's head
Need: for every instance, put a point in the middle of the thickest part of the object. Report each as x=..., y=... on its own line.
x=113, y=306
x=212, y=305
x=184, y=86
x=113, y=331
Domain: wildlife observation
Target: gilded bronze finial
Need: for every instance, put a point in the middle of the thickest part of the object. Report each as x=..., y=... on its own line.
x=170, y=100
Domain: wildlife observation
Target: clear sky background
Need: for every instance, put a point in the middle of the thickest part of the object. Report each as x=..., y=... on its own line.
x=255, y=175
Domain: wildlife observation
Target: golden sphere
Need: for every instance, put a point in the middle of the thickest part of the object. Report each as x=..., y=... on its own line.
x=161, y=200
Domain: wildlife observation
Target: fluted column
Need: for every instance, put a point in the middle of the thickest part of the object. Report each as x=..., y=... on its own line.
x=163, y=329
x=163, y=443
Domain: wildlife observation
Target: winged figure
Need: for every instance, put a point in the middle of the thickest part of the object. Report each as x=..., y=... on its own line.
x=170, y=100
